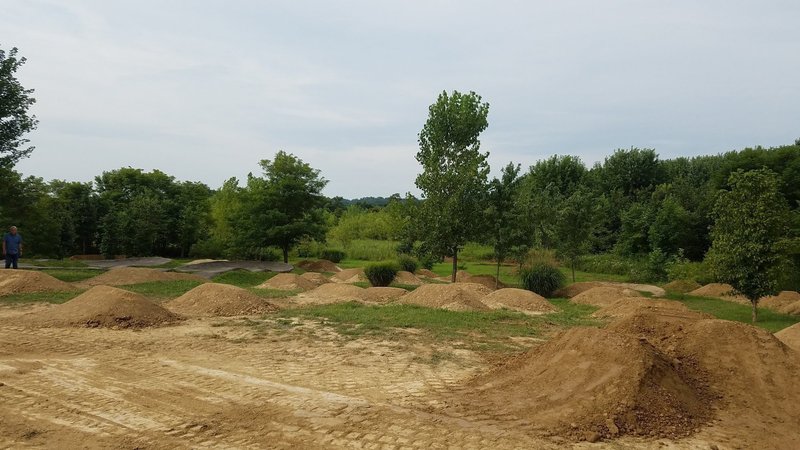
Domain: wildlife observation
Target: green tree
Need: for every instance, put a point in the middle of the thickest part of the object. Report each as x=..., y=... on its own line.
x=503, y=217
x=575, y=222
x=751, y=222
x=15, y=102
x=454, y=173
x=282, y=208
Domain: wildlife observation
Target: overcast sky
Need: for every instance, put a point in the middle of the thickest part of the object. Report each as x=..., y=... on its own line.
x=203, y=90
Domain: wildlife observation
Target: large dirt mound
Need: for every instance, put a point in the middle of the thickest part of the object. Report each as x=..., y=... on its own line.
x=407, y=278
x=489, y=281
x=793, y=309
x=721, y=291
x=456, y=297
x=663, y=327
x=333, y=293
x=105, y=306
x=790, y=336
x=350, y=276
x=427, y=273
x=133, y=275
x=781, y=301
x=384, y=294
x=682, y=286
x=320, y=265
x=576, y=288
x=315, y=277
x=288, y=282
x=214, y=299
x=519, y=300
x=29, y=281
x=633, y=305
x=601, y=296
x=589, y=380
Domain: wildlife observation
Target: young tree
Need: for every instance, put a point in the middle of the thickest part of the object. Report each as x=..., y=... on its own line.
x=283, y=207
x=454, y=172
x=503, y=216
x=751, y=220
x=575, y=223
x=15, y=101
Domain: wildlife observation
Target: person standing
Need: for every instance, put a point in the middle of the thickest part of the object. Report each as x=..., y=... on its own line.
x=12, y=247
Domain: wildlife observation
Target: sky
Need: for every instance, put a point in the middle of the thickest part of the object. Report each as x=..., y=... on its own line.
x=204, y=90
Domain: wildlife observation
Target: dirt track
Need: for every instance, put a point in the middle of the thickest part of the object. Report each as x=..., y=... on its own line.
x=275, y=385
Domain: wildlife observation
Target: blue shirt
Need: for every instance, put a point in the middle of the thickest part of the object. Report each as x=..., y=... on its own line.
x=13, y=242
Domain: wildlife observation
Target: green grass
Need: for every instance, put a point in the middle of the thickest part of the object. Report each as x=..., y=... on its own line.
x=39, y=297
x=243, y=278
x=72, y=275
x=162, y=289
x=53, y=262
x=173, y=264
x=722, y=309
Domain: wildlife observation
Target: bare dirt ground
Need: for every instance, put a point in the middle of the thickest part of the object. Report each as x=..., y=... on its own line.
x=250, y=383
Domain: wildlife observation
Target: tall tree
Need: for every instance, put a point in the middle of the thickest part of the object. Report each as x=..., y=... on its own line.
x=282, y=208
x=454, y=172
x=15, y=102
x=575, y=222
x=751, y=221
x=504, y=219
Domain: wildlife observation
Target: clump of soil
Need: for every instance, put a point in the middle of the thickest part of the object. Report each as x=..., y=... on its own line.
x=576, y=288
x=602, y=296
x=214, y=299
x=320, y=265
x=781, y=301
x=333, y=293
x=590, y=383
x=489, y=281
x=663, y=327
x=288, y=282
x=109, y=307
x=133, y=275
x=350, y=276
x=790, y=336
x=315, y=277
x=407, y=278
x=29, y=281
x=682, y=286
x=519, y=300
x=455, y=297
x=721, y=291
x=634, y=305
x=426, y=273
x=384, y=294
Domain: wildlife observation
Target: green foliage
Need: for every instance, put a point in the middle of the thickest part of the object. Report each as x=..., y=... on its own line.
x=504, y=215
x=332, y=255
x=608, y=263
x=681, y=269
x=358, y=223
x=722, y=309
x=542, y=278
x=381, y=273
x=751, y=221
x=653, y=268
x=574, y=226
x=370, y=250
x=407, y=263
x=15, y=102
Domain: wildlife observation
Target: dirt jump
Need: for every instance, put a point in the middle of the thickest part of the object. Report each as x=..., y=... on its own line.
x=121, y=276
x=30, y=281
x=384, y=294
x=682, y=286
x=519, y=300
x=489, y=281
x=288, y=282
x=319, y=265
x=214, y=299
x=407, y=278
x=315, y=277
x=455, y=297
x=602, y=296
x=578, y=288
x=790, y=336
x=721, y=291
x=350, y=276
x=780, y=302
x=332, y=293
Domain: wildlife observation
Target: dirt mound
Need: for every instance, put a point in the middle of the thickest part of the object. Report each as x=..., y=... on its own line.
x=333, y=293
x=790, y=336
x=407, y=278
x=662, y=326
x=214, y=299
x=519, y=300
x=721, y=291
x=109, y=307
x=781, y=301
x=133, y=275
x=288, y=282
x=350, y=276
x=384, y=294
x=29, y=281
x=793, y=309
x=427, y=273
x=316, y=278
x=682, y=286
x=589, y=381
x=602, y=296
x=633, y=305
x=576, y=288
x=456, y=297
x=320, y=265
x=489, y=281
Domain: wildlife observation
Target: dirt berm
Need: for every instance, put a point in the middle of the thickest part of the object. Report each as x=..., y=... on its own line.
x=520, y=300
x=407, y=278
x=682, y=286
x=133, y=275
x=320, y=265
x=30, y=281
x=332, y=293
x=601, y=296
x=315, y=277
x=288, y=282
x=589, y=383
x=105, y=306
x=780, y=302
x=384, y=294
x=214, y=299
x=349, y=276
x=632, y=305
x=721, y=291
x=790, y=336
x=455, y=297
x=489, y=281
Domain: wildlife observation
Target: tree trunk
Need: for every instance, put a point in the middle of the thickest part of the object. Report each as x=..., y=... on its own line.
x=285, y=255
x=573, y=270
x=497, y=277
x=455, y=264
x=755, y=310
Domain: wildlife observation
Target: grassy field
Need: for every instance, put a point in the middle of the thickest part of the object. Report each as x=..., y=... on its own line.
x=768, y=319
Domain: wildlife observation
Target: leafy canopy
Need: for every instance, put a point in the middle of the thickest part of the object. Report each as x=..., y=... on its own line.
x=15, y=101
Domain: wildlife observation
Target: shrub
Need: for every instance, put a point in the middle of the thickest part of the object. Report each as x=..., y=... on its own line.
x=207, y=248
x=608, y=263
x=427, y=261
x=381, y=273
x=408, y=263
x=332, y=255
x=689, y=270
x=541, y=278
x=654, y=268
x=309, y=249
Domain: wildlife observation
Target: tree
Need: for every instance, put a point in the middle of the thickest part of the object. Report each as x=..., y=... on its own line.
x=503, y=216
x=751, y=221
x=575, y=225
x=282, y=208
x=454, y=172
x=15, y=101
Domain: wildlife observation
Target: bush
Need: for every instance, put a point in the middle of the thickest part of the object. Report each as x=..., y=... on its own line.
x=542, y=278
x=309, y=249
x=608, y=263
x=688, y=270
x=207, y=248
x=381, y=273
x=408, y=263
x=332, y=255
x=653, y=269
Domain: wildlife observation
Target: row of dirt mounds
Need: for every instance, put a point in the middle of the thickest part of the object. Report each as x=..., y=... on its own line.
x=575, y=289
x=721, y=291
x=519, y=300
x=288, y=282
x=790, y=336
x=682, y=286
x=214, y=299
x=407, y=278
x=349, y=276
x=105, y=306
x=787, y=302
x=602, y=296
x=133, y=275
x=455, y=297
x=30, y=281
x=425, y=273
x=320, y=265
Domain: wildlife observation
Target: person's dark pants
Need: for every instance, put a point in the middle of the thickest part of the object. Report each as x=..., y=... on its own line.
x=12, y=260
